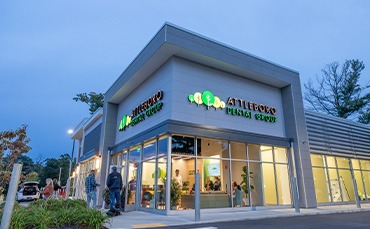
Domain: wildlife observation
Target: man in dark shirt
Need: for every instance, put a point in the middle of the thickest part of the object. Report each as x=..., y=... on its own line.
x=114, y=183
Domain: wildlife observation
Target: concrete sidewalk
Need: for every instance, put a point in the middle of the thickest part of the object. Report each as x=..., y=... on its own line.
x=139, y=219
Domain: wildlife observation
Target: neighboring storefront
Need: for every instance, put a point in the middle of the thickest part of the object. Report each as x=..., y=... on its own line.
x=340, y=153
x=87, y=135
x=188, y=105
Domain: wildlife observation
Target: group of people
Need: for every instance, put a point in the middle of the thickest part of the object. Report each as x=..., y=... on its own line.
x=114, y=183
x=52, y=188
x=213, y=186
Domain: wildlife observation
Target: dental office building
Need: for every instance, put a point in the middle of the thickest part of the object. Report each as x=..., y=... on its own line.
x=190, y=103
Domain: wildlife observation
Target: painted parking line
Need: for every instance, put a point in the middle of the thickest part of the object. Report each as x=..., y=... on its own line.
x=149, y=225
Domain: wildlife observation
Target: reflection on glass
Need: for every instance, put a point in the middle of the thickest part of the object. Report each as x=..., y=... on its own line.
x=182, y=192
x=150, y=149
x=321, y=185
x=280, y=155
x=255, y=168
x=317, y=160
x=147, y=184
x=266, y=153
x=254, y=152
x=283, y=184
x=335, y=186
x=162, y=146
x=237, y=176
x=133, y=160
x=269, y=184
x=238, y=150
x=183, y=145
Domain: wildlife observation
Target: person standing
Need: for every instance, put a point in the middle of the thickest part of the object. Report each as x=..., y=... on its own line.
x=178, y=177
x=114, y=183
x=91, y=185
x=48, y=190
x=56, y=186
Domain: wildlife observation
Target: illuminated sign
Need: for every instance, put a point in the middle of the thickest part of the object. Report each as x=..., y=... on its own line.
x=149, y=107
x=236, y=106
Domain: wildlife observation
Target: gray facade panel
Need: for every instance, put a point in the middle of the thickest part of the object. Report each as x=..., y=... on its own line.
x=92, y=140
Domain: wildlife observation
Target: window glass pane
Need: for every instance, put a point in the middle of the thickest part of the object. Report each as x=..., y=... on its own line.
x=318, y=160
x=238, y=150
x=241, y=178
x=321, y=185
x=147, y=184
x=124, y=158
x=365, y=165
x=215, y=183
x=254, y=152
x=182, y=182
x=150, y=149
x=161, y=180
x=213, y=148
x=162, y=146
x=331, y=161
x=283, y=184
x=360, y=185
x=280, y=155
x=266, y=153
x=132, y=174
x=343, y=162
x=269, y=184
x=355, y=163
x=255, y=169
x=334, y=186
x=183, y=145
x=366, y=175
x=346, y=185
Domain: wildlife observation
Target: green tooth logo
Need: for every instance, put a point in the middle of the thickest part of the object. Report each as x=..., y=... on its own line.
x=208, y=99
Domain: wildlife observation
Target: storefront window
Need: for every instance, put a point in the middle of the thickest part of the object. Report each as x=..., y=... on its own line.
x=269, y=184
x=162, y=146
x=280, y=155
x=321, y=185
x=335, y=187
x=254, y=152
x=317, y=160
x=238, y=150
x=147, y=184
x=366, y=175
x=331, y=161
x=360, y=185
x=355, y=163
x=241, y=178
x=183, y=145
x=283, y=184
x=161, y=180
x=214, y=148
x=133, y=162
x=266, y=154
x=343, y=163
x=346, y=185
x=257, y=193
x=365, y=165
x=150, y=150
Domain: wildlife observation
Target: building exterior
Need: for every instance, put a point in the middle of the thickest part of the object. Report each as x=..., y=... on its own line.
x=192, y=104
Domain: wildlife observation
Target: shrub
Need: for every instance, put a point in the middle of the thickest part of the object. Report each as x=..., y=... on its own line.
x=55, y=213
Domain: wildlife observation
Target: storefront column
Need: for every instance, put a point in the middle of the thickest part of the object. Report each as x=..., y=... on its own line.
x=168, y=175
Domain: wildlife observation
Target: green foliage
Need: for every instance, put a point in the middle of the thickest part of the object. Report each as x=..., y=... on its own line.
x=338, y=92
x=175, y=192
x=94, y=100
x=245, y=183
x=55, y=213
x=52, y=167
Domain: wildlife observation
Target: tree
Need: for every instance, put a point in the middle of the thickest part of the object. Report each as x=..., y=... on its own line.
x=339, y=92
x=12, y=145
x=94, y=100
x=52, y=168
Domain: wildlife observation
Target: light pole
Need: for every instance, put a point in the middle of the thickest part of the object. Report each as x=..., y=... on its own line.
x=70, y=167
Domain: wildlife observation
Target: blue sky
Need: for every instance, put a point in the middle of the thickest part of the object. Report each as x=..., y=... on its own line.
x=52, y=50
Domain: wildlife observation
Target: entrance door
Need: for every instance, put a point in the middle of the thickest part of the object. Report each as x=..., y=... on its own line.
x=131, y=179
